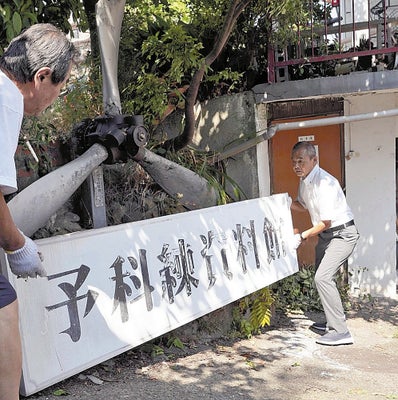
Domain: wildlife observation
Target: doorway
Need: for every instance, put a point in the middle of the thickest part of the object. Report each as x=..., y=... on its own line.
x=329, y=143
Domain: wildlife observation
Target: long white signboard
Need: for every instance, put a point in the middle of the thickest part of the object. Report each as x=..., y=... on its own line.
x=114, y=288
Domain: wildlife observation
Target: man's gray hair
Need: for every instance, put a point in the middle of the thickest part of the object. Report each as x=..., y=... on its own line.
x=308, y=147
x=39, y=46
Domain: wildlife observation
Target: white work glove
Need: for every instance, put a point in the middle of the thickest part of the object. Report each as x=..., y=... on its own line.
x=26, y=261
x=296, y=241
x=289, y=202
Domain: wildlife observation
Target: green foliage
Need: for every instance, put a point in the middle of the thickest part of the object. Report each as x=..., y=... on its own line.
x=253, y=312
x=38, y=131
x=147, y=96
x=36, y=135
x=156, y=350
x=157, y=56
x=166, y=46
x=278, y=22
x=174, y=341
x=157, y=346
x=174, y=51
x=81, y=99
x=167, y=56
x=297, y=292
x=60, y=392
x=16, y=15
x=164, y=42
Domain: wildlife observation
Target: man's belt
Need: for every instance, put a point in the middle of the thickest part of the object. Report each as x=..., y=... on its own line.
x=339, y=227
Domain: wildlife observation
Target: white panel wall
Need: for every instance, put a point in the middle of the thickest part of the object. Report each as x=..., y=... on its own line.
x=370, y=181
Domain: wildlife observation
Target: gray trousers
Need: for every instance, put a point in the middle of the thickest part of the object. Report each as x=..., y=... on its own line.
x=332, y=250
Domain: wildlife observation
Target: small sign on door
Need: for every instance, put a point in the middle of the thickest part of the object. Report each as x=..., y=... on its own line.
x=308, y=138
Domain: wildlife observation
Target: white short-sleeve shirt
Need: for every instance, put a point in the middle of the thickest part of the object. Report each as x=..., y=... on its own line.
x=321, y=194
x=11, y=114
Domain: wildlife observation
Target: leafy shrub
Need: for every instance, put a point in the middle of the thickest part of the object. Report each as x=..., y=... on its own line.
x=298, y=292
x=253, y=312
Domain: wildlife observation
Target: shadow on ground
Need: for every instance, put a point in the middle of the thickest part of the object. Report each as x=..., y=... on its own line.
x=283, y=362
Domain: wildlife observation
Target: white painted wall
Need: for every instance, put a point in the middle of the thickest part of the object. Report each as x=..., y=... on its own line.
x=370, y=182
x=370, y=191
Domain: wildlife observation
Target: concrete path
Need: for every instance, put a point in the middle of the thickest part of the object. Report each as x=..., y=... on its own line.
x=283, y=363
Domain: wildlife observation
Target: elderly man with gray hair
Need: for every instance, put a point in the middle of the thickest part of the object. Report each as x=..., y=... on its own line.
x=332, y=221
x=33, y=69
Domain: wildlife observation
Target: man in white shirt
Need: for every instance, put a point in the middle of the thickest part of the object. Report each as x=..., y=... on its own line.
x=33, y=70
x=332, y=221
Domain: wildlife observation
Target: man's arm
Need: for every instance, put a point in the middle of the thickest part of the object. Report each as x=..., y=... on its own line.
x=297, y=206
x=313, y=231
x=23, y=255
x=10, y=237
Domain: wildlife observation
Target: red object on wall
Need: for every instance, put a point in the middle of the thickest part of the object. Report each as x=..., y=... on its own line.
x=335, y=3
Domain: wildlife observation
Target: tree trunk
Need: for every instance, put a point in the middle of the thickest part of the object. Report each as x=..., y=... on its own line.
x=89, y=8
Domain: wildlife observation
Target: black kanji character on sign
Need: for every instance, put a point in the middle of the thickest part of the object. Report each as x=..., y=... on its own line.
x=74, y=331
x=245, y=244
x=123, y=290
x=169, y=282
x=148, y=289
x=178, y=265
x=185, y=263
x=272, y=240
x=208, y=241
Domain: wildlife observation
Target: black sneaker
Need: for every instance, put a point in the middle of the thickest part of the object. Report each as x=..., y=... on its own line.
x=319, y=326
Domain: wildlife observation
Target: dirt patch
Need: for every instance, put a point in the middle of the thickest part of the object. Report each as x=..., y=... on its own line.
x=283, y=362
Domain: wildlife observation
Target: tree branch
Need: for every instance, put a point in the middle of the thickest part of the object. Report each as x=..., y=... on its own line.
x=179, y=142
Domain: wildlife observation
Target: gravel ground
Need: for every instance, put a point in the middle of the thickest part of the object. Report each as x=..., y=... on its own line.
x=282, y=363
